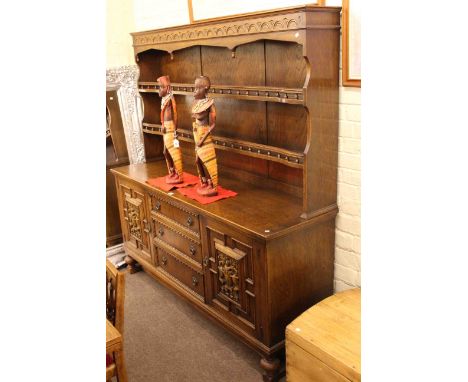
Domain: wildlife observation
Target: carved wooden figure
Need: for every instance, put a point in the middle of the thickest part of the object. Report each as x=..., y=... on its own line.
x=171, y=151
x=204, y=113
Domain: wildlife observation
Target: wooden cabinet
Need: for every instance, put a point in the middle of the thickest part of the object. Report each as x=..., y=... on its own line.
x=256, y=261
x=136, y=222
x=116, y=155
x=253, y=275
x=232, y=261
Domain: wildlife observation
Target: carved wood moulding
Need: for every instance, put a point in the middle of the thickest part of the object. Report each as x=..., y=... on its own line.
x=273, y=23
x=228, y=277
x=125, y=79
x=132, y=216
x=254, y=93
x=271, y=153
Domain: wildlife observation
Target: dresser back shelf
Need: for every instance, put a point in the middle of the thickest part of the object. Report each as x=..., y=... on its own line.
x=275, y=79
x=256, y=261
x=271, y=153
x=252, y=93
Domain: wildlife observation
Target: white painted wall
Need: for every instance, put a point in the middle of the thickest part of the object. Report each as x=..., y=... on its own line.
x=204, y=9
x=155, y=14
x=120, y=22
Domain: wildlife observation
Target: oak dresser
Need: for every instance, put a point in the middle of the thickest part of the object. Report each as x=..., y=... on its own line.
x=256, y=261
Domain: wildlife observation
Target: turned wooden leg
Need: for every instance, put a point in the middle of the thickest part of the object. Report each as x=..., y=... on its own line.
x=271, y=368
x=120, y=366
x=132, y=265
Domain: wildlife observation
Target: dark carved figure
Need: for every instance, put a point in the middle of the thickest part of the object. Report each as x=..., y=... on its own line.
x=204, y=113
x=172, y=151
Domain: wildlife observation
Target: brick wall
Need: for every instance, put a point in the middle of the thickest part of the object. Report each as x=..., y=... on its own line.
x=348, y=221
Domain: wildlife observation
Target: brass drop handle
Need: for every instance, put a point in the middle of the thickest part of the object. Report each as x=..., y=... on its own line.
x=206, y=261
x=147, y=228
x=161, y=231
x=164, y=260
x=192, y=249
x=157, y=206
x=189, y=221
x=194, y=281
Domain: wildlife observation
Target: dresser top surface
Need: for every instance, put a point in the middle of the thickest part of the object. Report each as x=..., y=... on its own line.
x=264, y=212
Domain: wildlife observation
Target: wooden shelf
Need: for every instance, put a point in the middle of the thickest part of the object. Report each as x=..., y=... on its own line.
x=271, y=153
x=253, y=93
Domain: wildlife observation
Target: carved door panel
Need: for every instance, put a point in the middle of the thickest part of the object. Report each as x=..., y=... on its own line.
x=230, y=265
x=137, y=227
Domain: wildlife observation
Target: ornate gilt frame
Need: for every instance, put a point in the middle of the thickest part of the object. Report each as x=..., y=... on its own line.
x=125, y=79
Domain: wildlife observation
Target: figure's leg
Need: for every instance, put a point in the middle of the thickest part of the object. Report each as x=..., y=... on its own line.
x=210, y=189
x=167, y=157
x=201, y=171
x=171, y=164
x=173, y=177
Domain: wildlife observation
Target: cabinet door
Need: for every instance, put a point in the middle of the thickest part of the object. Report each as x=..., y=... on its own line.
x=137, y=225
x=232, y=263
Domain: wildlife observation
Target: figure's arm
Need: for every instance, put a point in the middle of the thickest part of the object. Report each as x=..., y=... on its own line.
x=162, y=116
x=212, y=119
x=174, y=113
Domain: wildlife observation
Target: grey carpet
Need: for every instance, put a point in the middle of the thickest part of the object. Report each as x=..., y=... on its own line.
x=166, y=339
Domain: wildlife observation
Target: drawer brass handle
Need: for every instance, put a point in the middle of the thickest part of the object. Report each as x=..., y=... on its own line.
x=161, y=231
x=164, y=260
x=147, y=228
x=206, y=261
x=157, y=205
x=194, y=281
x=189, y=221
x=192, y=249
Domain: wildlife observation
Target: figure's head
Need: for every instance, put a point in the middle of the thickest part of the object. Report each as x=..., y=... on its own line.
x=202, y=85
x=165, y=85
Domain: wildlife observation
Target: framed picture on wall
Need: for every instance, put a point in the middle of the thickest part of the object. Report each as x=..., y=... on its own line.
x=351, y=40
x=207, y=9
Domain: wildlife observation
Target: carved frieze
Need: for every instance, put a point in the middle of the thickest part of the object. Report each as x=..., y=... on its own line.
x=274, y=23
x=228, y=276
x=132, y=215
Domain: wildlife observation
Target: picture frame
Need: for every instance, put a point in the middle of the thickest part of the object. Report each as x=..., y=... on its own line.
x=202, y=10
x=351, y=43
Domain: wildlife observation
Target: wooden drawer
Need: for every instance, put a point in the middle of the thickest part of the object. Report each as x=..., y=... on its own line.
x=181, y=272
x=178, y=213
x=177, y=239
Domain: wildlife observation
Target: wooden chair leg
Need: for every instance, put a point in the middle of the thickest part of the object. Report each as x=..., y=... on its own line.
x=120, y=364
x=110, y=372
